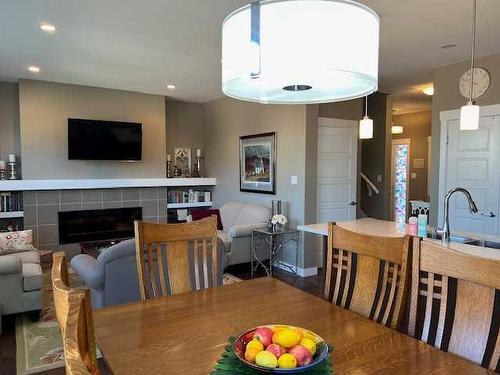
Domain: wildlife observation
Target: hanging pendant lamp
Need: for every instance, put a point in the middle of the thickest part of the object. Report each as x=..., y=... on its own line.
x=469, y=113
x=300, y=51
x=366, y=124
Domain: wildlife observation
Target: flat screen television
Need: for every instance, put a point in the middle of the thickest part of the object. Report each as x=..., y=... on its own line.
x=104, y=140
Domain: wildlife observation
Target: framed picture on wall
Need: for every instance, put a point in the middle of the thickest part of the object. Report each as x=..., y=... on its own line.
x=258, y=163
x=183, y=160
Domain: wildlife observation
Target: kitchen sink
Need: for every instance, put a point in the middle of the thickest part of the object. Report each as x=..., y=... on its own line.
x=465, y=240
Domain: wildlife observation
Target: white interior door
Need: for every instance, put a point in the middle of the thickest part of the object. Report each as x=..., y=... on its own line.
x=337, y=168
x=471, y=160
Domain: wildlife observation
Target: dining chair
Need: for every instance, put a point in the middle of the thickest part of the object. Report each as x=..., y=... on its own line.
x=368, y=274
x=60, y=287
x=455, y=302
x=174, y=258
x=79, y=339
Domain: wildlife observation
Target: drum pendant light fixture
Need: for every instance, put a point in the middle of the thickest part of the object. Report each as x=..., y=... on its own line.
x=300, y=51
x=469, y=113
x=366, y=124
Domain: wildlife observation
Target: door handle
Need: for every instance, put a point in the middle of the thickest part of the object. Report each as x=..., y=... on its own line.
x=353, y=203
x=491, y=214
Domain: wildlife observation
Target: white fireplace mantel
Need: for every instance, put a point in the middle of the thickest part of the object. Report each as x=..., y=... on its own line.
x=109, y=183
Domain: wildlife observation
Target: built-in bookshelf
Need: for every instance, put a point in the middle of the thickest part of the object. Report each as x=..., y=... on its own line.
x=181, y=200
x=188, y=198
x=11, y=201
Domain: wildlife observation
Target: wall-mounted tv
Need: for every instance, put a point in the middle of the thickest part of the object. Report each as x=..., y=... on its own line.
x=104, y=140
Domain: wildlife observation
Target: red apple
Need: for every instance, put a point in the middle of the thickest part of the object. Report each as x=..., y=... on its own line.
x=264, y=335
x=301, y=354
x=277, y=350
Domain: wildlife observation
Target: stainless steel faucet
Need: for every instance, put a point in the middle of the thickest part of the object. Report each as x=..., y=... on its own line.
x=472, y=208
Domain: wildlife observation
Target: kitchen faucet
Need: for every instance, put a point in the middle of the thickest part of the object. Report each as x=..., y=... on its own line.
x=446, y=227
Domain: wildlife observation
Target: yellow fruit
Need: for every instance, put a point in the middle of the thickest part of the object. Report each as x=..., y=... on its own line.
x=255, y=344
x=266, y=359
x=309, y=345
x=287, y=361
x=300, y=333
x=287, y=338
x=250, y=355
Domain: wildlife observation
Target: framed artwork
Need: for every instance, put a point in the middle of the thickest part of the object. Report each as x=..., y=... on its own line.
x=182, y=160
x=258, y=163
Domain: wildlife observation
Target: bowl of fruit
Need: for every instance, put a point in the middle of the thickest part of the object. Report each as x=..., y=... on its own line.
x=280, y=349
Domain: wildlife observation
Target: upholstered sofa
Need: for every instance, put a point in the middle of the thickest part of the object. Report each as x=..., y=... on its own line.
x=238, y=221
x=21, y=281
x=112, y=277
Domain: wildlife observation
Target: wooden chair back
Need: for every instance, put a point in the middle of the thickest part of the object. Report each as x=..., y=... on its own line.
x=174, y=258
x=79, y=339
x=455, y=302
x=367, y=274
x=60, y=287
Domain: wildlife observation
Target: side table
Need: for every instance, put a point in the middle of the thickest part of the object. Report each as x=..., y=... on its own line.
x=275, y=241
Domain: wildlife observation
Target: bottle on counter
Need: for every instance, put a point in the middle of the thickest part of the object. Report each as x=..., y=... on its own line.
x=422, y=225
x=413, y=226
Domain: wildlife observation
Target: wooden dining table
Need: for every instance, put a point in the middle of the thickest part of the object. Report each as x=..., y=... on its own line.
x=187, y=333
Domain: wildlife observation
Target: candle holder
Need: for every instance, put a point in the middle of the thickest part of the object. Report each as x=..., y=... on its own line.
x=196, y=168
x=2, y=174
x=12, y=166
x=169, y=169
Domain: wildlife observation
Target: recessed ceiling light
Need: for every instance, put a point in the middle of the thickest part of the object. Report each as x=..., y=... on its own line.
x=170, y=87
x=447, y=46
x=47, y=27
x=34, y=69
x=428, y=90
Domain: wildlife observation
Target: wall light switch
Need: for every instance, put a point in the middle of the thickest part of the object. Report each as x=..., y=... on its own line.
x=379, y=178
x=413, y=176
x=294, y=180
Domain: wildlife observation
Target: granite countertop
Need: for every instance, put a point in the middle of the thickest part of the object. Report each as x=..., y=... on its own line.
x=377, y=227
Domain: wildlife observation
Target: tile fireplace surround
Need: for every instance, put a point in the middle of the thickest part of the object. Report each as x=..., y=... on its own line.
x=41, y=208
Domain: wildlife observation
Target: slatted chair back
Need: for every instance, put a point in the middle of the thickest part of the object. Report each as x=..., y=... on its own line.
x=79, y=338
x=60, y=287
x=176, y=258
x=367, y=274
x=455, y=302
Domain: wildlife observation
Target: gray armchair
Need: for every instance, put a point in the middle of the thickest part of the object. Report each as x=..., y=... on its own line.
x=112, y=277
x=20, y=283
x=238, y=220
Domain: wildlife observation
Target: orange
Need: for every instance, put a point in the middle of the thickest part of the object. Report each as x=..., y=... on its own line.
x=255, y=344
x=250, y=355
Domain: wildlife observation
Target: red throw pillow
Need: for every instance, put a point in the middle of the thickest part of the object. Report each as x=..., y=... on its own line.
x=198, y=214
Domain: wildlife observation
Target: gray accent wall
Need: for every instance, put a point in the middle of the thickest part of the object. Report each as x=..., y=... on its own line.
x=41, y=208
x=227, y=119
x=9, y=120
x=447, y=97
x=185, y=126
x=44, y=109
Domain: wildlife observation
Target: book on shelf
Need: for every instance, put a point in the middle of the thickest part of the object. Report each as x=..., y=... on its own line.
x=189, y=196
x=11, y=201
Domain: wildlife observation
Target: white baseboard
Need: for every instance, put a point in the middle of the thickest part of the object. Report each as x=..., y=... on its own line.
x=302, y=272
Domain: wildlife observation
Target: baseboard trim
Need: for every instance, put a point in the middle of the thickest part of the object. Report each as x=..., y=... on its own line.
x=302, y=272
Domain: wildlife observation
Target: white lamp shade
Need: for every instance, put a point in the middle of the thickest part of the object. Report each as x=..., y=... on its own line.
x=366, y=128
x=320, y=50
x=396, y=129
x=469, y=117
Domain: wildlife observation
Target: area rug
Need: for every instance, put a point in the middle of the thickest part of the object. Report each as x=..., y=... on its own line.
x=39, y=344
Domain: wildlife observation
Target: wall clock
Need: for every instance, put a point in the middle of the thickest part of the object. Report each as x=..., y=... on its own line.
x=481, y=83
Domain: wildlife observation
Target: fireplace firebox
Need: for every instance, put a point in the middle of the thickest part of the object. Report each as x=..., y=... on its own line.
x=97, y=225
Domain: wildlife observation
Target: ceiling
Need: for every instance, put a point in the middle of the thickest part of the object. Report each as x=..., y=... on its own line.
x=145, y=45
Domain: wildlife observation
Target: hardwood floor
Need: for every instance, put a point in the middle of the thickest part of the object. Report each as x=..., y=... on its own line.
x=313, y=285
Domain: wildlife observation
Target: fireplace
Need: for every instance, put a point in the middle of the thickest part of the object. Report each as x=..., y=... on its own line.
x=97, y=225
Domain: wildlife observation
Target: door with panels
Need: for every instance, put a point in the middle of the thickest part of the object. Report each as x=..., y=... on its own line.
x=471, y=159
